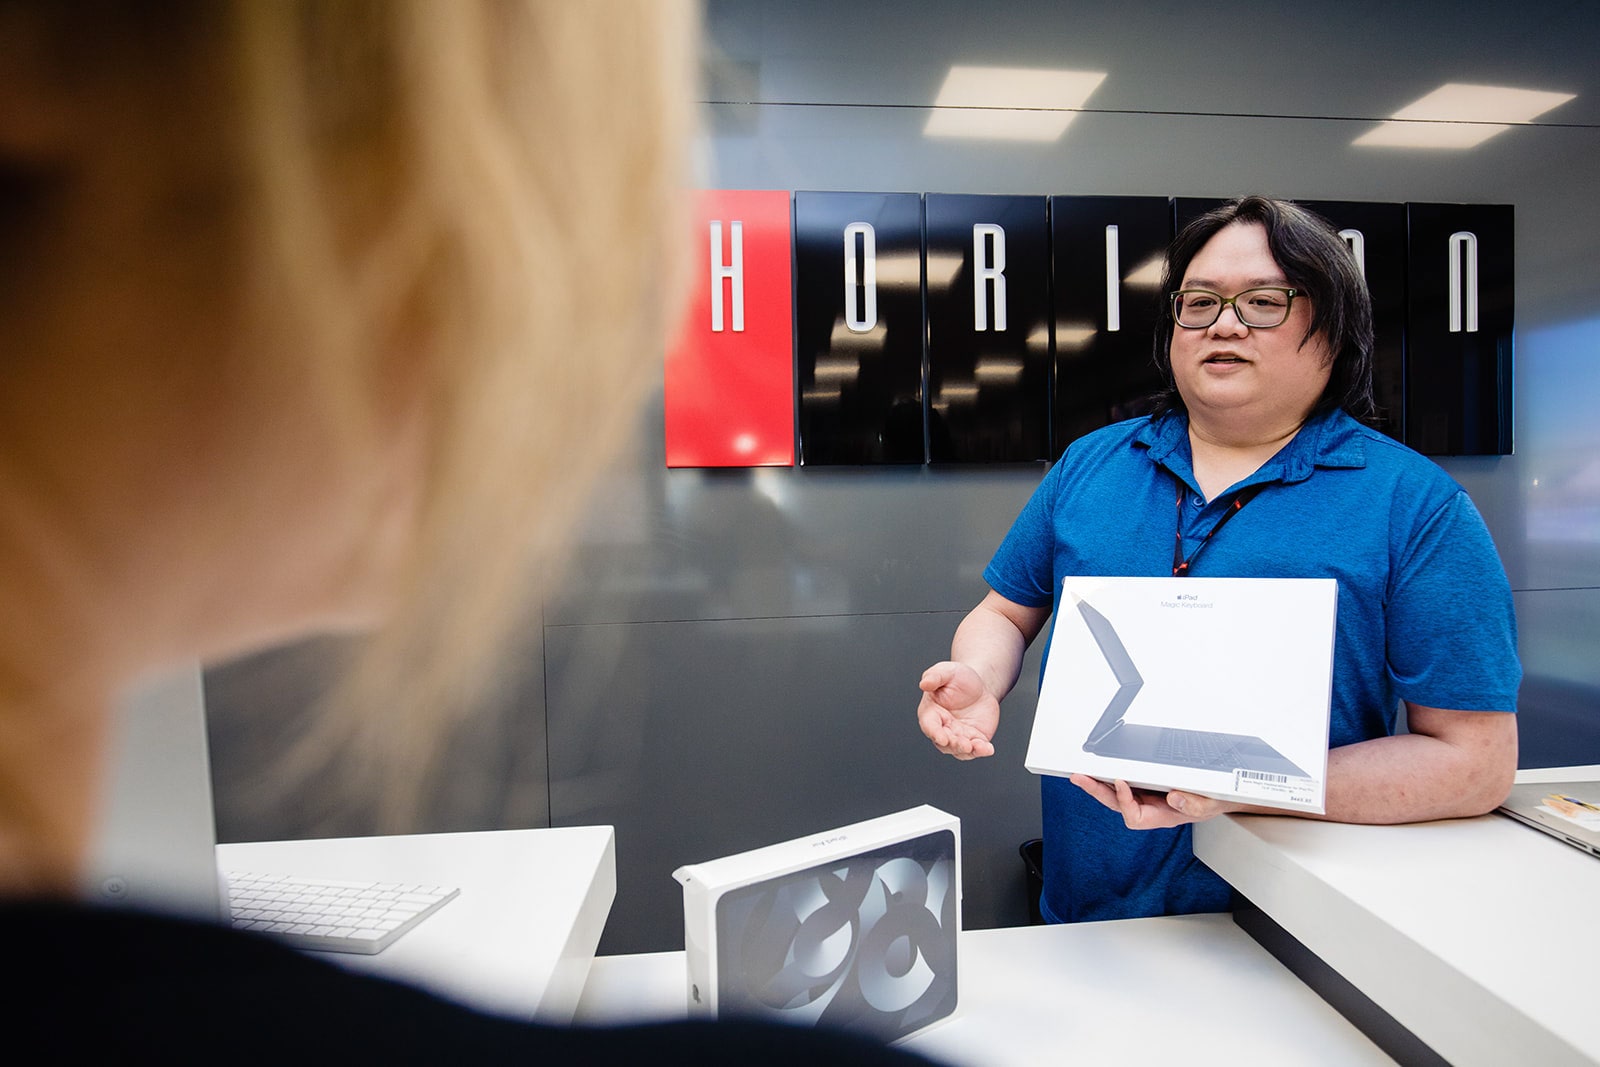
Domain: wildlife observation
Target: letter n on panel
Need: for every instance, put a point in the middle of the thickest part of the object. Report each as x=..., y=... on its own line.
x=1459, y=315
x=729, y=382
x=988, y=284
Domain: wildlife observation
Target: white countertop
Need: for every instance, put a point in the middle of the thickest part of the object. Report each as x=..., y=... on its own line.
x=1192, y=989
x=1480, y=936
x=519, y=937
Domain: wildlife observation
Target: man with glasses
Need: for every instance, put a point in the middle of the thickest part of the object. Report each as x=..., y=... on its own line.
x=1256, y=463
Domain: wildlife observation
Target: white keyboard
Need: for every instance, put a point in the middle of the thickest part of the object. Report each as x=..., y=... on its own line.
x=330, y=916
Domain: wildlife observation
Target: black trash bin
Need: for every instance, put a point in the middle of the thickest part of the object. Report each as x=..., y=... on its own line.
x=1033, y=872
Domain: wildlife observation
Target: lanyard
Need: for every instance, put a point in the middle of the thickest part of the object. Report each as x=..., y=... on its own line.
x=1180, y=564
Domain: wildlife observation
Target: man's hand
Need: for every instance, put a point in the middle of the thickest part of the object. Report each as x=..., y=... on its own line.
x=957, y=712
x=960, y=708
x=1142, y=809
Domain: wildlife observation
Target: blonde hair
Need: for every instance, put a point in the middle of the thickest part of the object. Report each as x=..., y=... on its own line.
x=442, y=229
x=501, y=181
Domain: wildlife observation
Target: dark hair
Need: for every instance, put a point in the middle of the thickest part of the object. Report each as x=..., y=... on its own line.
x=1316, y=262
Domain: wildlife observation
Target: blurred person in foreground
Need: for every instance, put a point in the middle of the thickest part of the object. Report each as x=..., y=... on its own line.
x=1255, y=463
x=305, y=307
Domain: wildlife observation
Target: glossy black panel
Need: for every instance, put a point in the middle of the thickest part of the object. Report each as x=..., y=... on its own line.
x=1376, y=233
x=859, y=343
x=987, y=270
x=1185, y=209
x=1459, y=312
x=1107, y=253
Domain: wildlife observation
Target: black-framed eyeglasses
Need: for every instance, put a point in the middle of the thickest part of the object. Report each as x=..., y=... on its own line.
x=1261, y=308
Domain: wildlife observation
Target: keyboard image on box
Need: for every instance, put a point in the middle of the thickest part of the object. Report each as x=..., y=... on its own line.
x=327, y=915
x=1195, y=748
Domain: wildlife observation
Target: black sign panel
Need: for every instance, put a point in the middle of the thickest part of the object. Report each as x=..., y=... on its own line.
x=1185, y=209
x=920, y=335
x=859, y=327
x=1459, y=312
x=987, y=275
x=1376, y=234
x=1106, y=254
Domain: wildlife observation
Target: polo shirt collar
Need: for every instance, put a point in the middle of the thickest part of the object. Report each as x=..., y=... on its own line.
x=1330, y=440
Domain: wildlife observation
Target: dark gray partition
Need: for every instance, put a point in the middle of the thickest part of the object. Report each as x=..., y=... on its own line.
x=759, y=730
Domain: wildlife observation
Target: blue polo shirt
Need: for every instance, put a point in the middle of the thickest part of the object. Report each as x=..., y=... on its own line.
x=1424, y=614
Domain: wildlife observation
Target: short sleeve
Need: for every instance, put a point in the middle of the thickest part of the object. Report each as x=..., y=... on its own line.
x=1452, y=631
x=1023, y=567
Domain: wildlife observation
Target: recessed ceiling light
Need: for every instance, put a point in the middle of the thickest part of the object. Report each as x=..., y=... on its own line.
x=1457, y=115
x=1009, y=103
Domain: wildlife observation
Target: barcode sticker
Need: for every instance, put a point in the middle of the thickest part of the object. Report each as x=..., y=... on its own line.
x=1278, y=788
x=1261, y=776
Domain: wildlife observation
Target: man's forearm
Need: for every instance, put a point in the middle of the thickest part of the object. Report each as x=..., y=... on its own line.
x=1464, y=769
x=1415, y=777
x=990, y=643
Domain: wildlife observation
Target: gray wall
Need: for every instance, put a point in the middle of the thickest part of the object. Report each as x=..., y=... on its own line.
x=732, y=657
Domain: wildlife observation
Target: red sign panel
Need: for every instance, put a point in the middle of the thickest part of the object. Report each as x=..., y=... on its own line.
x=730, y=374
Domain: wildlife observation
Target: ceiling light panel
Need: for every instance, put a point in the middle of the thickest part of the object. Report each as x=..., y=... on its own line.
x=1009, y=103
x=1459, y=115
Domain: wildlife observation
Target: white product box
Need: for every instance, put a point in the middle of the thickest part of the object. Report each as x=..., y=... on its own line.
x=854, y=927
x=1217, y=686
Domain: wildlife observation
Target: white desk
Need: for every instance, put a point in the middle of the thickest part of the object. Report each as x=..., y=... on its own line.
x=519, y=937
x=1478, y=935
x=1191, y=989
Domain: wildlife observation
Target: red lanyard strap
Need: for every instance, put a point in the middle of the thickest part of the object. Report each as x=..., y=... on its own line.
x=1180, y=564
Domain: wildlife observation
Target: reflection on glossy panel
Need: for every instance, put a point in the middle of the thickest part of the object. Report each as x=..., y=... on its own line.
x=666, y=545
x=988, y=329
x=1558, y=456
x=1107, y=253
x=858, y=312
x=1458, y=329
